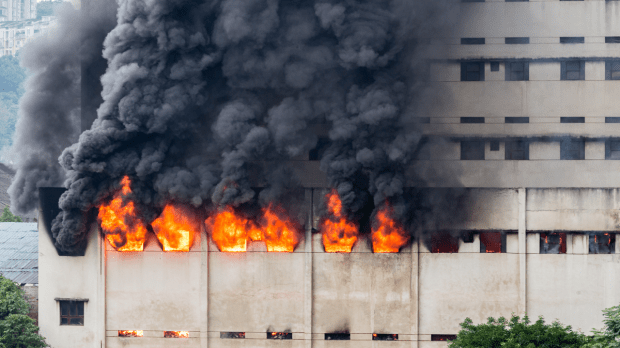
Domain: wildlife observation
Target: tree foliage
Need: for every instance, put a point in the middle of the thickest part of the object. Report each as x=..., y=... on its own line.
x=610, y=336
x=17, y=330
x=12, y=75
x=7, y=216
x=46, y=8
x=517, y=333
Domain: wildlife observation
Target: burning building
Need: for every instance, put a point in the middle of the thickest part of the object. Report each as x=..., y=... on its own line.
x=270, y=170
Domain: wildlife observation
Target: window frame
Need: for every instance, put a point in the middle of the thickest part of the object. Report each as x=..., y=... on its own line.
x=564, y=147
x=608, y=69
x=562, y=245
x=509, y=72
x=464, y=71
x=480, y=144
x=612, y=242
x=609, y=152
x=79, y=306
x=564, y=70
x=511, y=146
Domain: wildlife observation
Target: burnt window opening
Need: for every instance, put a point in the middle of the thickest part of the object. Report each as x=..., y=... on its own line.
x=472, y=119
x=493, y=242
x=494, y=145
x=571, y=39
x=612, y=119
x=472, y=41
x=472, y=71
x=517, y=150
x=572, y=120
x=232, y=335
x=130, y=333
x=572, y=149
x=573, y=70
x=443, y=337
x=71, y=312
x=517, y=120
x=176, y=334
x=472, y=150
x=517, y=71
x=467, y=236
x=422, y=120
x=384, y=337
x=442, y=243
x=517, y=40
x=338, y=336
x=602, y=243
x=612, y=149
x=279, y=335
x=612, y=39
x=472, y=0
x=553, y=243
x=317, y=153
x=494, y=66
x=612, y=69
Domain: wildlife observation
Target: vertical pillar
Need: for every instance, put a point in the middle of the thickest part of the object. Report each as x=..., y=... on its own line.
x=522, y=309
x=101, y=288
x=204, y=289
x=415, y=294
x=308, y=270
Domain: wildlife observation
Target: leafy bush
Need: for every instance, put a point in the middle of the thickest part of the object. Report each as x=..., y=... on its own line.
x=17, y=330
x=7, y=216
x=610, y=336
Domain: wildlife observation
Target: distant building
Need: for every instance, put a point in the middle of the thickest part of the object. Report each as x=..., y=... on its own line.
x=17, y=10
x=15, y=34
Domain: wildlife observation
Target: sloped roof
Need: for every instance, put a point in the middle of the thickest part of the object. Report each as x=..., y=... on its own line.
x=6, y=175
x=19, y=252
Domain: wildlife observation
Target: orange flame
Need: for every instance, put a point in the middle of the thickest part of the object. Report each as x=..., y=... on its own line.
x=278, y=233
x=129, y=333
x=175, y=229
x=387, y=235
x=176, y=334
x=124, y=230
x=339, y=235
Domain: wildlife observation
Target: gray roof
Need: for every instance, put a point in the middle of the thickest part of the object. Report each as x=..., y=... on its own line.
x=19, y=252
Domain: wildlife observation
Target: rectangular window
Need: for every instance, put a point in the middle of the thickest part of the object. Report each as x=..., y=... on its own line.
x=612, y=119
x=612, y=69
x=571, y=39
x=176, y=334
x=572, y=120
x=384, y=337
x=494, y=145
x=517, y=120
x=472, y=150
x=472, y=71
x=444, y=243
x=472, y=41
x=337, y=336
x=279, y=335
x=71, y=312
x=572, y=149
x=517, y=150
x=492, y=242
x=472, y=0
x=130, y=333
x=443, y=337
x=472, y=119
x=573, y=70
x=516, y=40
x=232, y=335
x=553, y=243
x=612, y=39
x=612, y=149
x=517, y=71
x=494, y=66
x=602, y=243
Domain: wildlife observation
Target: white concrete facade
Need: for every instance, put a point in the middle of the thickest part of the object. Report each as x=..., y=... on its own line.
x=14, y=35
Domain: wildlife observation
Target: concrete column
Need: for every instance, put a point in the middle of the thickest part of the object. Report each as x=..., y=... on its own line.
x=204, y=289
x=308, y=271
x=522, y=253
x=415, y=294
x=101, y=289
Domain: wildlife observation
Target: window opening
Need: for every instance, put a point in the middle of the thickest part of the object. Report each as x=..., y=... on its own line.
x=494, y=66
x=518, y=150
x=472, y=71
x=612, y=119
x=572, y=149
x=573, y=70
x=612, y=39
x=176, y=334
x=130, y=333
x=472, y=41
x=612, y=70
x=444, y=243
x=443, y=337
x=71, y=312
x=316, y=154
x=602, y=243
x=384, y=337
x=571, y=39
x=517, y=71
x=232, y=335
x=492, y=242
x=279, y=335
x=572, y=120
x=517, y=40
x=553, y=243
x=338, y=336
x=612, y=149
x=494, y=145
x=472, y=150
x=517, y=120
x=472, y=119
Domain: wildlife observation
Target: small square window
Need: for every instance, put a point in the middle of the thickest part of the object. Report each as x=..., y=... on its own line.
x=472, y=150
x=517, y=120
x=492, y=242
x=572, y=120
x=612, y=149
x=517, y=71
x=494, y=66
x=444, y=243
x=602, y=243
x=612, y=69
x=472, y=71
x=71, y=312
x=553, y=243
x=572, y=149
x=517, y=150
x=494, y=145
x=573, y=70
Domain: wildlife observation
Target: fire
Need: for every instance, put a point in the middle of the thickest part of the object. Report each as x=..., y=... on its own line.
x=176, y=334
x=339, y=235
x=278, y=233
x=175, y=229
x=124, y=230
x=387, y=235
x=129, y=333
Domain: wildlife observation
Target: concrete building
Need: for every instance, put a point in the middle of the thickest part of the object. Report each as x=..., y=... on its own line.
x=524, y=110
x=14, y=35
x=17, y=10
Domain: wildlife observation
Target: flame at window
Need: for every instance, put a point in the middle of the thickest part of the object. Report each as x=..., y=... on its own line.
x=388, y=236
x=175, y=228
x=339, y=235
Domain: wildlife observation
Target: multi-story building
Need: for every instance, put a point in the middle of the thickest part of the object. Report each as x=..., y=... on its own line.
x=17, y=10
x=14, y=35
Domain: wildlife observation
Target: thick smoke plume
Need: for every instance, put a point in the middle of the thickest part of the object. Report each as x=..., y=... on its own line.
x=197, y=94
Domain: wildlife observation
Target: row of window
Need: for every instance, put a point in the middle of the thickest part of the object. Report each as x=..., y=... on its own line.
x=524, y=40
x=519, y=149
x=520, y=70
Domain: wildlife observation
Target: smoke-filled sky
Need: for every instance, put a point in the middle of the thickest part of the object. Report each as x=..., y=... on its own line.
x=195, y=92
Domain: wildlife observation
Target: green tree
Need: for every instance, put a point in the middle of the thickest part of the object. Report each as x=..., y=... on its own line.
x=610, y=336
x=17, y=330
x=7, y=216
x=12, y=75
x=517, y=333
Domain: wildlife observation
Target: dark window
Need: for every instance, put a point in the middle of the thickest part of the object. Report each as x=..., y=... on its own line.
x=494, y=145
x=472, y=41
x=467, y=236
x=443, y=337
x=516, y=40
x=472, y=0
x=517, y=120
x=572, y=120
x=612, y=70
x=232, y=335
x=279, y=335
x=573, y=70
x=571, y=39
x=517, y=150
x=572, y=149
x=472, y=150
x=444, y=243
x=472, y=71
x=494, y=66
x=492, y=242
x=472, y=119
x=516, y=0
x=384, y=337
x=612, y=39
x=338, y=336
x=317, y=153
x=612, y=149
x=612, y=119
x=421, y=120
x=602, y=243
x=71, y=312
x=553, y=243
x=517, y=71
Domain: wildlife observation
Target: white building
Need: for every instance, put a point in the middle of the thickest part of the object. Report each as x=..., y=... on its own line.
x=17, y=10
x=14, y=35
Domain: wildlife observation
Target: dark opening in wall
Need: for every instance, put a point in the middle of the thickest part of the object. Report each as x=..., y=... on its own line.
x=573, y=70
x=472, y=150
x=516, y=40
x=494, y=145
x=518, y=150
x=442, y=242
x=443, y=337
x=612, y=39
x=317, y=153
x=279, y=335
x=612, y=69
x=71, y=312
x=572, y=149
x=517, y=71
x=338, y=336
x=494, y=66
x=553, y=243
x=472, y=71
x=571, y=39
x=467, y=236
x=612, y=149
x=602, y=243
x=612, y=119
x=232, y=335
x=517, y=120
x=492, y=242
x=472, y=119
x=472, y=41
x=384, y=337
x=572, y=120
